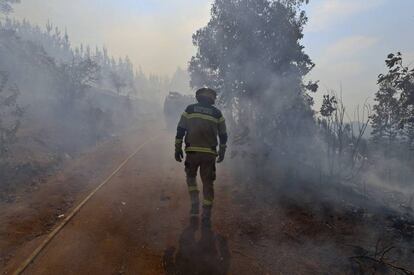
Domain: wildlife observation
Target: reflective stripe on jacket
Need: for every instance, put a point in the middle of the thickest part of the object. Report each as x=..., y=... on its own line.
x=202, y=124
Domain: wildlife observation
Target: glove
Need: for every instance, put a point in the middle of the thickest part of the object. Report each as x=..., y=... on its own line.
x=179, y=155
x=221, y=153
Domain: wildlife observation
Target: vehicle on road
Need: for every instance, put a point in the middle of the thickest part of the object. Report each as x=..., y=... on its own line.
x=174, y=105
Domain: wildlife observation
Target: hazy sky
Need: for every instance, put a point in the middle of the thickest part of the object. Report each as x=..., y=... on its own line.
x=347, y=39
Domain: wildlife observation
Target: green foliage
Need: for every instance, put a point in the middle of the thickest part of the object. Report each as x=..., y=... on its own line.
x=118, y=81
x=10, y=114
x=250, y=52
x=393, y=117
x=386, y=117
x=329, y=105
x=75, y=78
x=245, y=39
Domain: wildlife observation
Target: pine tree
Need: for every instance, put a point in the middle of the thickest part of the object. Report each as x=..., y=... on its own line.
x=10, y=114
x=6, y=5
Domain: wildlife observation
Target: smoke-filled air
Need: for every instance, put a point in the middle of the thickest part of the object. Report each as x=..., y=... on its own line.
x=206, y=137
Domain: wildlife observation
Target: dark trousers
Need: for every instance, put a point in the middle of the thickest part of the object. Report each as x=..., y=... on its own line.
x=207, y=164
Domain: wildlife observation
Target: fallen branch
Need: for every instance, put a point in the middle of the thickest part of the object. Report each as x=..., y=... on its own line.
x=379, y=261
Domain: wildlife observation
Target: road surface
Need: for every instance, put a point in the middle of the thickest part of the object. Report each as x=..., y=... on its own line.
x=138, y=223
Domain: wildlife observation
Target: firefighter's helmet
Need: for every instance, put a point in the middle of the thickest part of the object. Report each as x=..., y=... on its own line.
x=206, y=92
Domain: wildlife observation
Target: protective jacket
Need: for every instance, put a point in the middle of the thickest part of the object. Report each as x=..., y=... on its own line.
x=201, y=124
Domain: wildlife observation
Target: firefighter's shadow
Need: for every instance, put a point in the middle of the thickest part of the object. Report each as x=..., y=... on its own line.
x=207, y=255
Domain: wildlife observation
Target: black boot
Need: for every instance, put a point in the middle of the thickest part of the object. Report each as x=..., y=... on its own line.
x=206, y=217
x=195, y=204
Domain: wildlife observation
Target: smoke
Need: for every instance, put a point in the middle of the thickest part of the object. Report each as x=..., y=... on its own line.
x=281, y=152
x=6, y=5
x=69, y=102
x=269, y=107
x=155, y=34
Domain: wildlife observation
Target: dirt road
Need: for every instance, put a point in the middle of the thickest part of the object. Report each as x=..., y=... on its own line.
x=139, y=224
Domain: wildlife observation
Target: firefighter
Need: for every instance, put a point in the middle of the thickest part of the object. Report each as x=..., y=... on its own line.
x=199, y=126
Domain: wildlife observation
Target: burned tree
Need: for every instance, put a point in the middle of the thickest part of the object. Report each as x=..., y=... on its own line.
x=345, y=146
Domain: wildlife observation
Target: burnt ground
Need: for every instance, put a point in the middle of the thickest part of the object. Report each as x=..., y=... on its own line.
x=138, y=223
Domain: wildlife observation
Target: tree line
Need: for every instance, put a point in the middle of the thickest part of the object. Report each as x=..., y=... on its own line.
x=116, y=75
x=252, y=53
